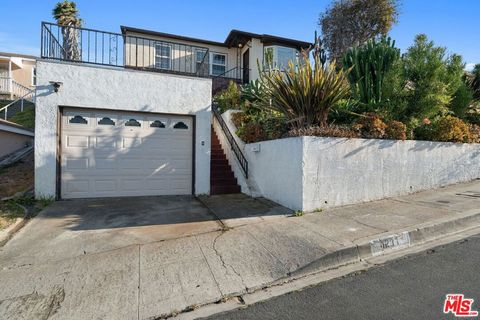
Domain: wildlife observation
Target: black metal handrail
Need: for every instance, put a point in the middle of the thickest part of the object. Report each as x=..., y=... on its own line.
x=233, y=73
x=67, y=43
x=231, y=140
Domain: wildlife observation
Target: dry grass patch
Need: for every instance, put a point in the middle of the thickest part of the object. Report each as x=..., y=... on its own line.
x=9, y=212
x=17, y=177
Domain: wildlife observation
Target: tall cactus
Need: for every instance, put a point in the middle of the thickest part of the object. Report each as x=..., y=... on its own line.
x=368, y=65
x=318, y=50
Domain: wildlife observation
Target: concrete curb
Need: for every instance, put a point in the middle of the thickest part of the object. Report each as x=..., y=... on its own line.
x=8, y=233
x=355, y=257
x=288, y=285
x=389, y=242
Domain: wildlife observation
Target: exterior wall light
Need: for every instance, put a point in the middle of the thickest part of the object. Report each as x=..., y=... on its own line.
x=56, y=85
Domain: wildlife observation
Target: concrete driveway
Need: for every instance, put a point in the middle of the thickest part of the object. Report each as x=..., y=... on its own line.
x=73, y=228
x=124, y=258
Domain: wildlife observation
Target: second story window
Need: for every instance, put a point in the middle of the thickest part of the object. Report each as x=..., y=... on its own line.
x=219, y=64
x=163, y=56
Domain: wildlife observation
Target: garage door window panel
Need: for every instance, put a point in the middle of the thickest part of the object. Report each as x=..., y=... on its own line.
x=105, y=121
x=77, y=120
x=133, y=123
x=161, y=124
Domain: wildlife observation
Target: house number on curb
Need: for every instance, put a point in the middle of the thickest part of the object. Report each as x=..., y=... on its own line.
x=392, y=242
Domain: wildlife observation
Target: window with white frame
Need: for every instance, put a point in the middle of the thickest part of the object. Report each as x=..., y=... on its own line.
x=163, y=56
x=278, y=57
x=34, y=76
x=219, y=64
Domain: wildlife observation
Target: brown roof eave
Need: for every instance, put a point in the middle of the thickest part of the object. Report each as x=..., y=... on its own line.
x=171, y=36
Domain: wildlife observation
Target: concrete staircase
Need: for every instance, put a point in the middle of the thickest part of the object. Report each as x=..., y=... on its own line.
x=222, y=179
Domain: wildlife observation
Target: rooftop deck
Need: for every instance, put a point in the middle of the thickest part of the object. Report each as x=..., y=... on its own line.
x=83, y=45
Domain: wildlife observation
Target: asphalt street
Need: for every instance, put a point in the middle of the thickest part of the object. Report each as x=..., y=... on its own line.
x=413, y=287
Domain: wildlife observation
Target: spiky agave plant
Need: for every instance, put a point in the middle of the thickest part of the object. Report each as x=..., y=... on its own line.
x=304, y=94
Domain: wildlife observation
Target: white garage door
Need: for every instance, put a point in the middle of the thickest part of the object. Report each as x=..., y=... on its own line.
x=109, y=154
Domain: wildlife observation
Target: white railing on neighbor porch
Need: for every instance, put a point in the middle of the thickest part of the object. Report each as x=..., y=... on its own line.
x=5, y=85
x=15, y=89
x=21, y=91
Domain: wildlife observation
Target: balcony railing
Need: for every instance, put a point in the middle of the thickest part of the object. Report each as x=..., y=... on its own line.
x=117, y=50
x=5, y=85
x=11, y=87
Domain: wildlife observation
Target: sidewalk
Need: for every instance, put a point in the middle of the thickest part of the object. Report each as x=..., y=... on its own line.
x=166, y=277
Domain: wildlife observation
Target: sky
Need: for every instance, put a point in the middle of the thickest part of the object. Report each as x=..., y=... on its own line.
x=449, y=23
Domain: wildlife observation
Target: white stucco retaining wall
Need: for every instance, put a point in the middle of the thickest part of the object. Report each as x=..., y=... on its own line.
x=306, y=173
x=345, y=171
x=87, y=86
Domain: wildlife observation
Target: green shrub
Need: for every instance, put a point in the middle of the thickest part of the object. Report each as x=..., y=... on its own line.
x=461, y=101
x=259, y=126
x=370, y=126
x=431, y=77
x=274, y=127
x=472, y=115
x=396, y=130
x=239, y=119
x=451, y=129
x=473, y=81
x=446, y=128
x=326, y=131
x=251, y=132
x=252, y=93
x=228, y=98
x=474, y=133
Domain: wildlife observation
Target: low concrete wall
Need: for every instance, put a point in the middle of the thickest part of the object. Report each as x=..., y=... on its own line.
x=306, y=173
x=13, y=137
x=346, y=171
x=11, y=142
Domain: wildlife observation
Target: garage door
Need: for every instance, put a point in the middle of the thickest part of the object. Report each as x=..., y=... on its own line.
x=110, y=154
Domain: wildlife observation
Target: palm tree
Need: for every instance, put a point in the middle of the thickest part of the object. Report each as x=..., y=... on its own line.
x=66, y=14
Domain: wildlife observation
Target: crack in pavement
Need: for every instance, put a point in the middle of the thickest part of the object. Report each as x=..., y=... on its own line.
x=224, y=264
x=209, y=267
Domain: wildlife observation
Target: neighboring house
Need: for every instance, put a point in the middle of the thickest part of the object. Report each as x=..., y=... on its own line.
x=130, y=114
x=13, y=137
x=234, y=59
x=17, y=75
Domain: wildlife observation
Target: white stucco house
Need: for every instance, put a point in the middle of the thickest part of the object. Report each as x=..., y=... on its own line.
x=129, y=114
